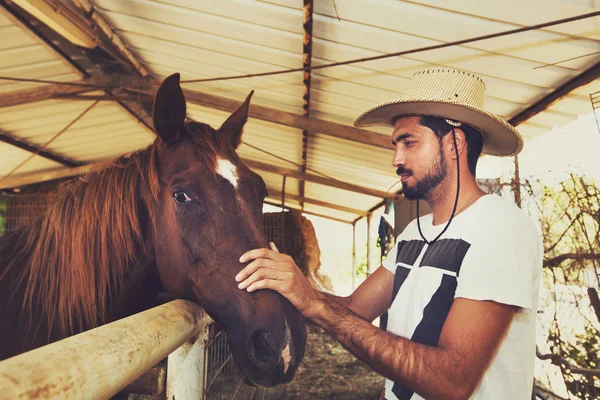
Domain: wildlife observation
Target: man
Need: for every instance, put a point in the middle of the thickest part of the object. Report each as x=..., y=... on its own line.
x=461, y=284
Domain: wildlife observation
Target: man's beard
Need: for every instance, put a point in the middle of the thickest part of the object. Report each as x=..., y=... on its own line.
x=433, y=178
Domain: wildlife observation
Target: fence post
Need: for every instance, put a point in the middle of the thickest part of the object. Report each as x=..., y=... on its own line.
x=186, y=369
x=98, y=363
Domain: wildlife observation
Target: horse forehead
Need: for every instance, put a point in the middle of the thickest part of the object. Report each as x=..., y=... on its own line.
x=227, y=170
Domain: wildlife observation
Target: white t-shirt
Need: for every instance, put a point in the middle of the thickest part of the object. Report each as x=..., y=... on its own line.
x=491, y=251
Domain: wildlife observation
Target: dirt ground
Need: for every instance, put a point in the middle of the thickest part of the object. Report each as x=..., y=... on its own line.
x=331, y=372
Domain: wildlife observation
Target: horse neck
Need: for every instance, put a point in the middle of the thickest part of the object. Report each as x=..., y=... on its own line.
x=43, y=313
x=87, y=261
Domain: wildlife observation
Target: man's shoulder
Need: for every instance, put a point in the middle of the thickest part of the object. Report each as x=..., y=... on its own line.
x=499, y=214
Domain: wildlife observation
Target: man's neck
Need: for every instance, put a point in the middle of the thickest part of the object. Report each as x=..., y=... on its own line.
x=442, y=198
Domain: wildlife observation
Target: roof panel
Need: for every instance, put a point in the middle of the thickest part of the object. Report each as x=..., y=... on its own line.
x=13, y=156
x=22, y=55
x=230, y=37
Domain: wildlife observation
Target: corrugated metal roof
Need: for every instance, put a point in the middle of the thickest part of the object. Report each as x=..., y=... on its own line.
x=22, y=55
x=105, y=131
x=203, y=39
x=12, y=157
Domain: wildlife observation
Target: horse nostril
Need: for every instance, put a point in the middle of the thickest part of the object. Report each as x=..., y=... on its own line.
x=264, y=348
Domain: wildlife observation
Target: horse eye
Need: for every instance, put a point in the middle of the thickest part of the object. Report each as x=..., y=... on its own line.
x=181, y=197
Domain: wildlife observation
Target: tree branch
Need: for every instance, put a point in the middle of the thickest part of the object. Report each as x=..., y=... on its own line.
x=594, y=301
x=562, y=235
x=546, y=394
x=559, y=360
x=554, y=261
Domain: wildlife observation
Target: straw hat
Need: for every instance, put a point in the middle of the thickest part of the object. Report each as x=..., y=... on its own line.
x=452, y=94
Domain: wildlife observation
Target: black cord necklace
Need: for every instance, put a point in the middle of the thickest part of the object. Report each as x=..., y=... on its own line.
x=455, y=201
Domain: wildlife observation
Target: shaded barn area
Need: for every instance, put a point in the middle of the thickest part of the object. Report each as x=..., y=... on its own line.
x=328, y=371
x=77, y=79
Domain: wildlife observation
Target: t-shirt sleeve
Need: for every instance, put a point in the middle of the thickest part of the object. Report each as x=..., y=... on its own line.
x=390, y=261
x=503, y=263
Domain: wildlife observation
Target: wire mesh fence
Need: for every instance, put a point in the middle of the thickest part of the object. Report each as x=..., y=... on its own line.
x=19, y=210
x=223, y=380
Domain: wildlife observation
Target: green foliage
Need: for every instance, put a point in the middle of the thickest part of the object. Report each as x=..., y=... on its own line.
x=570, y=220
x=361, y=268
x=584, y=351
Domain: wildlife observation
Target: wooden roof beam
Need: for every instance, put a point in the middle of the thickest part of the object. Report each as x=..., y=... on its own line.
x=145, y=88
x=113, y=44
x=49, y=91
x=297, y=207
x=545, y=102
x=29, y=178
x=320, y=203
x=307, y=24
x=316, y=179
x=35, y=149
x=292, y=120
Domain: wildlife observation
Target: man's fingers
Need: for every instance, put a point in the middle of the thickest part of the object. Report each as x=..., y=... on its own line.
x=265, y=284
x=254, y=254
x=273, y=247
x=261, y=253
x=262, y=274
x=253, y=267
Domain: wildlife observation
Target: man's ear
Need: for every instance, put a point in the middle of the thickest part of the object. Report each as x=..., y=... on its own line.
x=461, y=142
x=168, y=112
x=234, y=125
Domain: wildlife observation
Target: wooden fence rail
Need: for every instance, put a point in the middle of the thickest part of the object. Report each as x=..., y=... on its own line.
x=99, y=363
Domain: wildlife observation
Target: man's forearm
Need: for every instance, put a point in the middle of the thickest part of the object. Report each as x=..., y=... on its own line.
x=429, y=371
x=345, y=301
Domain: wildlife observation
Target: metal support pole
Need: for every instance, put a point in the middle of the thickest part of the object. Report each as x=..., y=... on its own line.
x=307, y=24
x=281, y=244
x=353, y=253
x=369, y=217
x=517, y=183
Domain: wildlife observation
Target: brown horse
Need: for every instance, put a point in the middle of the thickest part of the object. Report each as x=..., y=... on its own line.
x=176, y=217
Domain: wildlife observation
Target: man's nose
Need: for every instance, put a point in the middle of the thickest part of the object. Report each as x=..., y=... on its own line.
x=398, y=159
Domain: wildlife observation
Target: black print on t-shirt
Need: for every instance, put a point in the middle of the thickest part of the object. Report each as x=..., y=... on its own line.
x=408, y=252
x=447, y=256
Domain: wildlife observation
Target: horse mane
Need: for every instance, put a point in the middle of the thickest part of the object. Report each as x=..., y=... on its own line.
x=73, y=262
x=74, y=259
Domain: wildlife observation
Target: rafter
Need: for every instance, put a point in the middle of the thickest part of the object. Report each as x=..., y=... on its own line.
x=115, y=44
x=35, y=149
x=293, y=120
x=294, y=207
x=306, y=63
x=320, y=203
x=315, y=179
x=48, y=91
x=563, y=90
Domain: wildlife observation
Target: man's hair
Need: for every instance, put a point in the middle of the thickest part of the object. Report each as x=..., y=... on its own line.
x=473, y=137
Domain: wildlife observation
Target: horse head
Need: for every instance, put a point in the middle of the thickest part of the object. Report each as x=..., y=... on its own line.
x=209, y=213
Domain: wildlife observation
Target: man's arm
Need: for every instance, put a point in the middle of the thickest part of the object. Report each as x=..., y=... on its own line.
x=452, y=370
x=469, y=339
x=372, y=298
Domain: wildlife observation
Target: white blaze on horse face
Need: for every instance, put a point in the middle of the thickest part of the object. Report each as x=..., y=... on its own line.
x=228, y=171
x=287, y=357
x=286, y=353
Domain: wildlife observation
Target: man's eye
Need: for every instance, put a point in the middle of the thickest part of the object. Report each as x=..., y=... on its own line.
x=409, y=143
x=181, y=197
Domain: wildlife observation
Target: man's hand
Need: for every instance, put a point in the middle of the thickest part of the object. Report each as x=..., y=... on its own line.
x=273, y=270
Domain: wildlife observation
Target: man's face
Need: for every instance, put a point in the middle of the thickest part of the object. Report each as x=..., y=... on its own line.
x=418, y=158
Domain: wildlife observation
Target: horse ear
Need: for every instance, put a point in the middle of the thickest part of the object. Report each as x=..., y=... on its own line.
x=168, y=112
x=234, y=125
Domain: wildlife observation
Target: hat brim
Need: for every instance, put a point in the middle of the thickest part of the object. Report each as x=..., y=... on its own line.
x=499, y=137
